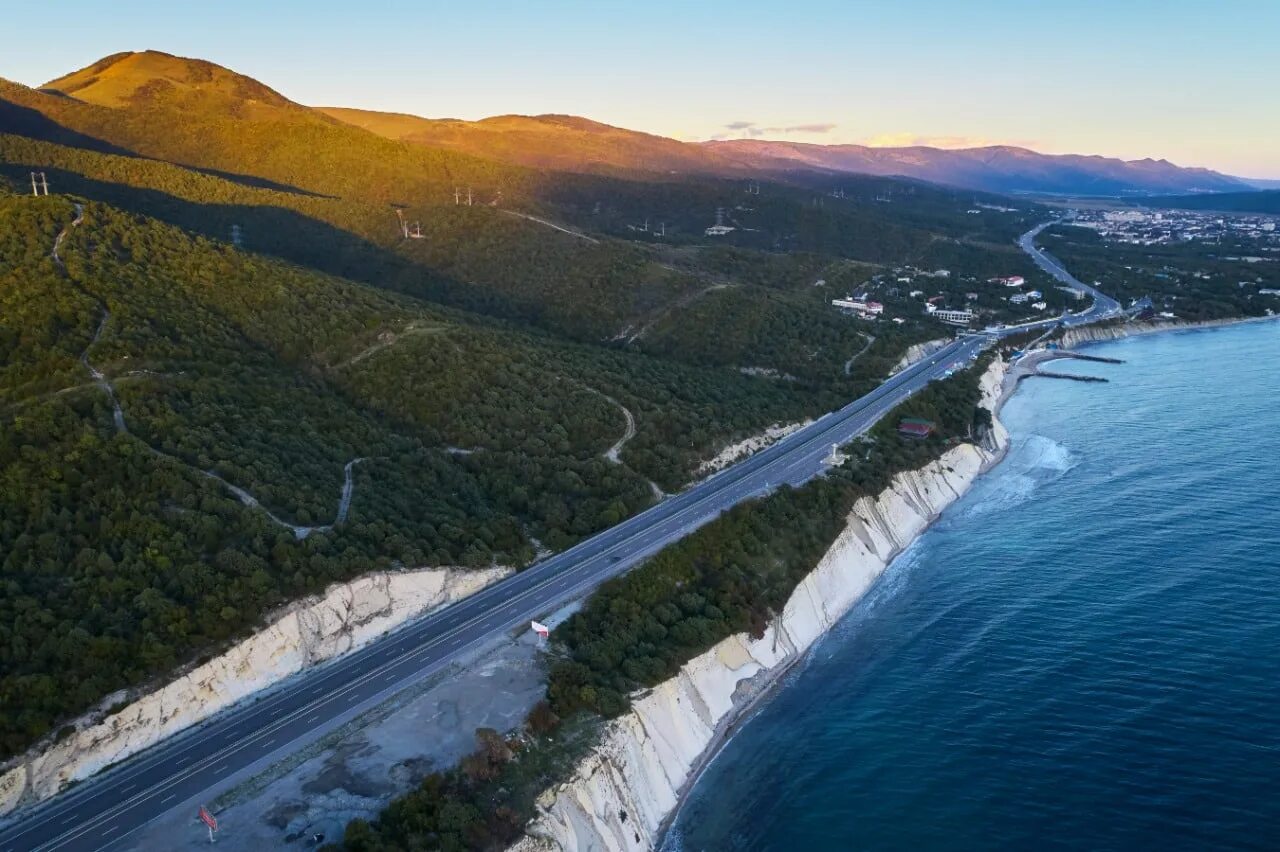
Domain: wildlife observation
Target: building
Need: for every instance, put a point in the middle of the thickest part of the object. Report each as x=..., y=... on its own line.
x=718, y=230
x=863, y=308
x=1040, y=306
x=950, y=317
x=1010, y=281
x=1020, y=298
x=915, y=427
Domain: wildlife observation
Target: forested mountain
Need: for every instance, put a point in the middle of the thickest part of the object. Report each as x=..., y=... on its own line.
x=996, y=168
x=228, y=295
x=571, y=143
x=562, y=142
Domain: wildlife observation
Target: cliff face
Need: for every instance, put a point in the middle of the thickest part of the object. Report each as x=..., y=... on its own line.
x=307, y=633
x=1090, y=333
x=918, y=352
x=622, y=793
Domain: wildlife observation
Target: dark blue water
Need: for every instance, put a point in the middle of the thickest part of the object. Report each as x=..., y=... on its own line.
x=1083, y=653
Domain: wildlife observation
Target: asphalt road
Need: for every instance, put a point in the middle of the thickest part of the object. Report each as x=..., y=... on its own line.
x=1103, y=305
x=198, y=765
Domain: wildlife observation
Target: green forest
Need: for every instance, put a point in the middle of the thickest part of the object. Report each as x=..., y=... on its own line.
x=122, y=557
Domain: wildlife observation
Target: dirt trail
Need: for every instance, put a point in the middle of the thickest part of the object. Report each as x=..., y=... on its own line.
x=388, y=339
x=679, y=304
x=614, y=453
x=559, y=228
x=62, y=235
x=117, y=415
x=848, y=365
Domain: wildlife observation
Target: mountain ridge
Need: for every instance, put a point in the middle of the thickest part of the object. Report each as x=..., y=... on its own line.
x=996, y=168
x=127, y=82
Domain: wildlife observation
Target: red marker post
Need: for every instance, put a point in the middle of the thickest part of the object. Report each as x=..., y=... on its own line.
x=209, y=820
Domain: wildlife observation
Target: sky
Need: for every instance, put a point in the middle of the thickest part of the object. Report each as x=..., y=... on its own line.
x=1191, y=82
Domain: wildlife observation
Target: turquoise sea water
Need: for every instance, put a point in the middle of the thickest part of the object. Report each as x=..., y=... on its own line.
x=1084, y=652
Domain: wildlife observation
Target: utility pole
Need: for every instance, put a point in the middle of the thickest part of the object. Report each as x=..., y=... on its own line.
x=456, y=200
x=404, y=226
x=468, y=196
x=235, y=236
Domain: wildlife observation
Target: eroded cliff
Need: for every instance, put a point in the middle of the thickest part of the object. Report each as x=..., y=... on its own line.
x=623, y=792
x=304, y=634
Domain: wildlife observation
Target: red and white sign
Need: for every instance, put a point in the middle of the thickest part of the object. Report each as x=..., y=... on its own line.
x=541, y=629
x=208, y=818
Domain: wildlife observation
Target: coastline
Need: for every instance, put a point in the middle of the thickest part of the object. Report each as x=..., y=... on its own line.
x=1010, y=382
x=772, y=679
x=640, y=774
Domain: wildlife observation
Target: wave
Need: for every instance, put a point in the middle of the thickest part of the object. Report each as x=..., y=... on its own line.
x=1033, y=462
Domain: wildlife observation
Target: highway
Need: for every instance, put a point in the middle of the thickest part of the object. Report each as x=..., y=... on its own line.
x=1103, y=305
x=198, y=765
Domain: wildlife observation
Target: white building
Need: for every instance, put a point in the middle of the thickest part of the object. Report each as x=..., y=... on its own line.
x=951, y=317
x=718, y=230
x=859, y=306
x=1040, y=306
x=1011, y=281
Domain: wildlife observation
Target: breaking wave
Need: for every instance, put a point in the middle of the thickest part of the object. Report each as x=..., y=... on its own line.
x=1033, y=462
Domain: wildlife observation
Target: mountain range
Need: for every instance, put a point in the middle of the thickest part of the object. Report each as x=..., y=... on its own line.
x=573, y=144
x=570, y=143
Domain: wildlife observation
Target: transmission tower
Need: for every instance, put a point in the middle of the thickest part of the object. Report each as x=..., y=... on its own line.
x=39, y=186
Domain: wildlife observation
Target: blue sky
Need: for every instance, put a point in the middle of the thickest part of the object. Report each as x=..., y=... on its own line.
x=1195, y=83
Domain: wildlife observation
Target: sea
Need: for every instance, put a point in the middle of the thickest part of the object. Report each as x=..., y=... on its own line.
x=1082, y=653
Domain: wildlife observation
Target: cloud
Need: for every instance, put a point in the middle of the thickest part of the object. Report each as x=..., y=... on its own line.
x=752, y=129
x=904, y=140
x=803, y=128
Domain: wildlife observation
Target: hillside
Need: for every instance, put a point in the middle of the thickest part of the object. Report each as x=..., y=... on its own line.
x=146, y=372
x=993, y=169
x=127, y=79
x=200, y=115
x=471, y=381
x=560, y=142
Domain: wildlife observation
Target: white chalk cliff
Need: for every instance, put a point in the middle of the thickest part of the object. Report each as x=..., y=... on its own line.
x=623, y=791
x=1114, y=331
x=918, y=352
x=306, y=633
